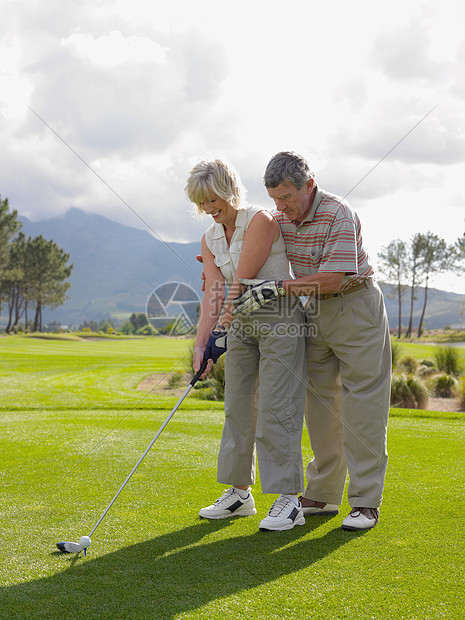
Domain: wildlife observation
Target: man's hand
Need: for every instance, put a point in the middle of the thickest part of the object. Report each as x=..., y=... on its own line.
x=259, y=293
x=216, y=345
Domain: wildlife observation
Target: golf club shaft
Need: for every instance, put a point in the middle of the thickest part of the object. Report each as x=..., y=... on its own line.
x=194, y=380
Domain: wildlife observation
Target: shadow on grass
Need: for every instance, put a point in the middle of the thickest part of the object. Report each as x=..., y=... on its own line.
x=171, y=574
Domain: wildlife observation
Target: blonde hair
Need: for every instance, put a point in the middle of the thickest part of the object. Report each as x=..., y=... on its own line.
x=214, y=177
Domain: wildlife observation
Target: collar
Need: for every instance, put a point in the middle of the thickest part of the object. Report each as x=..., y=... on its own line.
x=316, y=203
x=241, y=220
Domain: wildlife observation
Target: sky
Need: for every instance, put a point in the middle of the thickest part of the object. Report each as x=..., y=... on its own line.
x=143, y=90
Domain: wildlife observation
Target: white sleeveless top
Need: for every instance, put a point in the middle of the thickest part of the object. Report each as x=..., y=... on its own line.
x=227, y=256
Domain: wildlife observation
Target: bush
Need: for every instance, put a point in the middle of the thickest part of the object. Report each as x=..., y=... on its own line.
x=146, y=330
x=447, y=360
x=175, y=379
x=396, y=350
x=408, y=364
x=128, y=328
x=427, y=362
x=461, y=392
x=444, y=385
x=425, y=371
x=407, y=392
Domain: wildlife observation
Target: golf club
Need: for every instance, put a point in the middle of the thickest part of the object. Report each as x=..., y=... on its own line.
x=85, y=541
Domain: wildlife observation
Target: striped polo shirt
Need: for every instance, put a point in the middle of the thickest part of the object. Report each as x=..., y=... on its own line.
x=329, y=239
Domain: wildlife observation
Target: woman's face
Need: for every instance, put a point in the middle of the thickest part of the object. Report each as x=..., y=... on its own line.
x=221, y=211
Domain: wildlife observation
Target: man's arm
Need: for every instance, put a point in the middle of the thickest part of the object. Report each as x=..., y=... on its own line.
x=261, y=292
x=315, y=284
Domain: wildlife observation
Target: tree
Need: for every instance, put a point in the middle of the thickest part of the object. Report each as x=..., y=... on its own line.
x=127, y=328
x=394, y=265
x=414, y=259
x=458, y=255
x=49, y=271
x=138, y=320
x=9, y=226
x=434, y=255
x=14, y=282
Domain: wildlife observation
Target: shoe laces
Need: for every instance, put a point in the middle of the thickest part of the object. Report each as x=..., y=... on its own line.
x=224, y=497
x=278, y=506
x=369, y=513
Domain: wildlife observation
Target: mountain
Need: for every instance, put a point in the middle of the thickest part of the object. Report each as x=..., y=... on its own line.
x=443, y=308
x=116, y=269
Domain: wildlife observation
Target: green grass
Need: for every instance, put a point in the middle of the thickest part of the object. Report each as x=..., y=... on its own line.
x=90, y=374
x=152, y=557
x=422, y=351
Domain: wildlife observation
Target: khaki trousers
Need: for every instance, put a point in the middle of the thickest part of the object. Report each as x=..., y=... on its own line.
x=268, y=350
x=349, y=373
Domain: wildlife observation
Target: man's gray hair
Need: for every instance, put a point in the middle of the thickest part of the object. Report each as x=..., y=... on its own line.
x=287, y=166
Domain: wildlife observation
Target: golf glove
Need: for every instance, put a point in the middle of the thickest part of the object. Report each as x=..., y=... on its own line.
x=259, y=293
x=216, y=345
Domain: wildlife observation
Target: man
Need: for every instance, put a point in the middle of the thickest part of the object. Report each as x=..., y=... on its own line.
x=348, y=345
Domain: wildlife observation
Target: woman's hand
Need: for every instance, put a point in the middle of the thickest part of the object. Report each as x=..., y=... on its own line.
x=199, y=352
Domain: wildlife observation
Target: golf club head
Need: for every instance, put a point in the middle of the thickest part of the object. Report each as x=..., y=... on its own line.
x=69, y=547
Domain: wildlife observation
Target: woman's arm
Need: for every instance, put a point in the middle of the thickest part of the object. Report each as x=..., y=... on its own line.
x=210, y=307
x=260, y=235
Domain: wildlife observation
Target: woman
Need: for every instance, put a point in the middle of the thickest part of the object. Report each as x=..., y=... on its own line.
x=267, y=347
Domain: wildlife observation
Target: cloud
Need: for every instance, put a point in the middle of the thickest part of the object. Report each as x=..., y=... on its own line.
x=458, y=84
x=131, y=104
x=403, y=55
x=354, y=93
x=360, y=182
x=437, y=139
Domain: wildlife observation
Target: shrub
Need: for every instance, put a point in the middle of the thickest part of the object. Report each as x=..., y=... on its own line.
x=396, y=350
x=419, y=392
x=175, y=379
x=146, y=330
x=427, y=362
x=128, y=328
x=461, y=392
x=407, y=392
x=443, y=385
x=408, y=364
x=425, y=370
x=447, y=360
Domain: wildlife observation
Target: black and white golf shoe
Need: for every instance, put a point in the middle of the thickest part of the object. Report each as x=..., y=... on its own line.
x=283, y=515
x=230, y=504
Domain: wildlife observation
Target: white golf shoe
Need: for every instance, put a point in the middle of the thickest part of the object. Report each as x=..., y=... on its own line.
x=230, y=504
x=283, y=515
x=361, y=519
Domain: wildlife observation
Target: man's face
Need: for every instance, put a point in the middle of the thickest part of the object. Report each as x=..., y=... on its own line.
x=292, y=202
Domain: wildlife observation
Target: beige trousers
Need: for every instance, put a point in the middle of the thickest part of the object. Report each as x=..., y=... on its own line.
x=267, y=349
x=349, y=373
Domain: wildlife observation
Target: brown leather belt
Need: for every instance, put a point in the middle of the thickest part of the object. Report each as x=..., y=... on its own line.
x=353, y=289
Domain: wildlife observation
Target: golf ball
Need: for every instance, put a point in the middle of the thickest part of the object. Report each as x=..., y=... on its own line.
x=84, y=541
